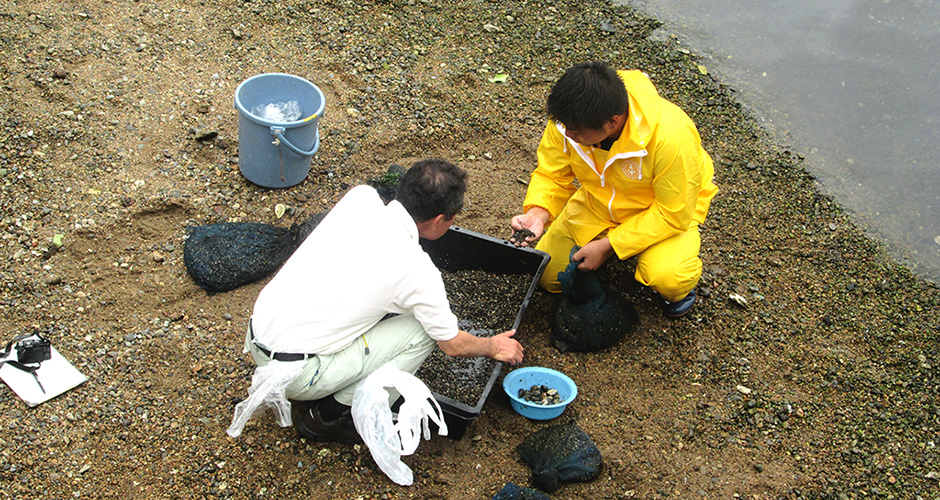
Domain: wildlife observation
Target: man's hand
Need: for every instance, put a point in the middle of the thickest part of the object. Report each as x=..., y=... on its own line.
x=506, y=348
x=533, y=221
x=594, y=254
x=501, y=347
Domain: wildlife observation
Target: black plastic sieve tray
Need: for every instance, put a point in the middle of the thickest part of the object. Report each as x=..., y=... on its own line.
x=462, y=249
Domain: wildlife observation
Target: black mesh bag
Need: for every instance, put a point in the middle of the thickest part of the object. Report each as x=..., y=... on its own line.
x=512, y=491
x=589, y=316
x=560, y=454
x=224, y=256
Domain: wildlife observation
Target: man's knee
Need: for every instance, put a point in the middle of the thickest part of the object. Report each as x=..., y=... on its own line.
x=424, y=344
x=671, y=282
x=550, y=285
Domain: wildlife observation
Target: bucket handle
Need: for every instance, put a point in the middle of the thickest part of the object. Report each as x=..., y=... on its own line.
x=278, y=132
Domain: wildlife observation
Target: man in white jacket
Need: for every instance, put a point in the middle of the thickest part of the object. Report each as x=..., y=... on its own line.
x=360, y=292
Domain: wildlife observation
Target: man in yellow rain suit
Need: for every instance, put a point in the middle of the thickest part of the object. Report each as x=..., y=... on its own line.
x=645, y=183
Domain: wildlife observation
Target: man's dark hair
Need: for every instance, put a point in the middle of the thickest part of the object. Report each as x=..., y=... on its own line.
x=586, y=96
x=432, y=187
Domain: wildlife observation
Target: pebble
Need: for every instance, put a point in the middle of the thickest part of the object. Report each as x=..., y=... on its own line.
x=205, y=134
x=444, y=478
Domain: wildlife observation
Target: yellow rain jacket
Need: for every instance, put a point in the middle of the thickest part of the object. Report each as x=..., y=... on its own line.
x=655, y=182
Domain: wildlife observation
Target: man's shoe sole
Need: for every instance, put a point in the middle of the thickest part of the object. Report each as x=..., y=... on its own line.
x=307, y=433
x=686, y=310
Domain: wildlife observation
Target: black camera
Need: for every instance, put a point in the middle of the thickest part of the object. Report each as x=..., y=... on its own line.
x=33, y=350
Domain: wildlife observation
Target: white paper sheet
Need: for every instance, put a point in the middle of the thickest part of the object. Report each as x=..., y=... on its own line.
x=56, y=374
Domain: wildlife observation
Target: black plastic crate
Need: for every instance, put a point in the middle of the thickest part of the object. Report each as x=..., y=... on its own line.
x=463, y=249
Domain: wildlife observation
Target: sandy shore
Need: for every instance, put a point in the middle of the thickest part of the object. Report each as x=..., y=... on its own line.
x=118, y=131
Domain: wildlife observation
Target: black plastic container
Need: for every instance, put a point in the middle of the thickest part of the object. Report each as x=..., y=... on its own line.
x=462, y=249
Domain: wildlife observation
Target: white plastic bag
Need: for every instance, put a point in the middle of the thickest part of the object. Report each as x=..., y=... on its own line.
x=267, y=388
x=387, y=440
x=279, y=112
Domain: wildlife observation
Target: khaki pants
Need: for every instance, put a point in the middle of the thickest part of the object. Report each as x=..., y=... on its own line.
x=399, y=340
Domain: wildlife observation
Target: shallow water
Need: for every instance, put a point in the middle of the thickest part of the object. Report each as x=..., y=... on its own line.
x=848, y=84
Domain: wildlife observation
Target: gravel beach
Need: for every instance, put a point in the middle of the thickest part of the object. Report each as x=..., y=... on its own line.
x=809, y=368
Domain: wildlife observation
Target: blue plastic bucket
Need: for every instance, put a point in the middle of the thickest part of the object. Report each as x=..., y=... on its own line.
x=277, y=154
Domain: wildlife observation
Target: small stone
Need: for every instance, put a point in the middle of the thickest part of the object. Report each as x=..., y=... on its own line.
x=205, y=134
x=738, y=299
x=444, y=478
x=49, y=252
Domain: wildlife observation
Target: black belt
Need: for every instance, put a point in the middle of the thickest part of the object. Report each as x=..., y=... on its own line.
x=279, y=356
